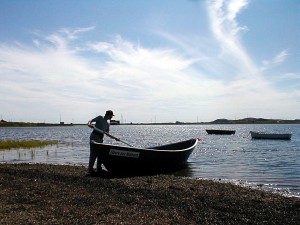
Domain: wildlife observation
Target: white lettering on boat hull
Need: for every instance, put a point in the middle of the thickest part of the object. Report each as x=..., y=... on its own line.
x=121, y=153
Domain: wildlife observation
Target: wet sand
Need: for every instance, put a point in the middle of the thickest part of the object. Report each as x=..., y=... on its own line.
x=52, y=194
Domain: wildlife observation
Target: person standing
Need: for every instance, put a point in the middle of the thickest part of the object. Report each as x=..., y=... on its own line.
x=102, y=124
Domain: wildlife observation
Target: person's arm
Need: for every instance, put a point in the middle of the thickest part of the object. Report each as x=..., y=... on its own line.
x=91, y=121
x=90, y=124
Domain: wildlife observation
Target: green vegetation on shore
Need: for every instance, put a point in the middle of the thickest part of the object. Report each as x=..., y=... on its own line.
x=24, y=144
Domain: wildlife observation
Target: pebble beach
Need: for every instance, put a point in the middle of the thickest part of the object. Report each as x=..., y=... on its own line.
x=62, y=194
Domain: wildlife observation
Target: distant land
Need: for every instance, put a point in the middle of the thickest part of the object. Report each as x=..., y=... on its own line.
x=4, y=123
x=255, y=121
x=241, y=121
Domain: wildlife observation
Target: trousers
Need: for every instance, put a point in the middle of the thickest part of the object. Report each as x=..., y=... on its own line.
x=94, y=153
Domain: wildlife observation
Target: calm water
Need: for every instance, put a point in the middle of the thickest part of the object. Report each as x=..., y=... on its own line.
x=266, y=164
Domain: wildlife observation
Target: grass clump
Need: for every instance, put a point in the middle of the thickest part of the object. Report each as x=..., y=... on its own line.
x=24, y=144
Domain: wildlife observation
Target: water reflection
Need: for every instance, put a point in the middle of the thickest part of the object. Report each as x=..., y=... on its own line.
x=185, y=172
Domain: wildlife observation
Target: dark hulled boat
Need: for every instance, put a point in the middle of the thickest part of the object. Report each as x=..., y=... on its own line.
x=228, y=132
x=131, y=160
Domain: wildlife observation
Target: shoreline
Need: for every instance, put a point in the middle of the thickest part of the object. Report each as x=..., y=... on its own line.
x=215, y=122
x=62, y=194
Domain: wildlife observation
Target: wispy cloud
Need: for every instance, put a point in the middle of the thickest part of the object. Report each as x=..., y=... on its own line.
x=227, y=31
x=290, y=76
x=233, y=76
x=121, y=73
x=278, y=59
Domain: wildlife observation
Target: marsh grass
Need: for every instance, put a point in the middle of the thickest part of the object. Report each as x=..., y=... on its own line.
x=24, y=144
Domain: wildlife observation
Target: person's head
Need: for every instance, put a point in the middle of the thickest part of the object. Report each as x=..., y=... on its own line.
x=109, y=114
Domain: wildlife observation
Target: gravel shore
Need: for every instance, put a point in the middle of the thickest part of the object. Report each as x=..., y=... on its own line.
x=55, y=194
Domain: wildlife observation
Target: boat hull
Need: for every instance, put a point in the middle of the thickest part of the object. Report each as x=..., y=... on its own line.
x=221, y=132
x=131, y=160
x=259, y=135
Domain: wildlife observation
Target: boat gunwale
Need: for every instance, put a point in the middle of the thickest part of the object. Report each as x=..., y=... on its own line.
x=152, y=149
x=219, y=130
x=264, y=133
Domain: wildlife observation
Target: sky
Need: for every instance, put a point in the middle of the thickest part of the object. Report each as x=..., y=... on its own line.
x=149, y=61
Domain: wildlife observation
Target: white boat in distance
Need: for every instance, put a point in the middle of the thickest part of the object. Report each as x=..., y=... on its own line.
x=262, y=135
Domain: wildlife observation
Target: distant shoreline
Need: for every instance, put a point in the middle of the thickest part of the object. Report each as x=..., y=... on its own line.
x=29, y=124
x=215, y=122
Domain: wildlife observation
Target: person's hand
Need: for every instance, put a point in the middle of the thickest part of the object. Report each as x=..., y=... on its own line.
x=90, y=125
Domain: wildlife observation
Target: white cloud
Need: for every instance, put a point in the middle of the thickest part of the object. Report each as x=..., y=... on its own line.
x=57, y=78
x=290, y=76
x=234, y=7
x=72, y=34
x=278, y=59
x=61, y=74
x=226, y=30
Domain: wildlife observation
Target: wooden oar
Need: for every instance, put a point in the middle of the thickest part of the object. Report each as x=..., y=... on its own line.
x=109, y=135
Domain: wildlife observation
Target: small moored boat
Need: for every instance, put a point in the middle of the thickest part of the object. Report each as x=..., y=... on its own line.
x=228, y=132
x=133, y=160
x=262, y=135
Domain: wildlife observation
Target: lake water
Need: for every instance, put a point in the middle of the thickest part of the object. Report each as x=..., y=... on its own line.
x=266, y=164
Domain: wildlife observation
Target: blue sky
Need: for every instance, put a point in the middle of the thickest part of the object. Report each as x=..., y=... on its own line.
x=149, y=61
